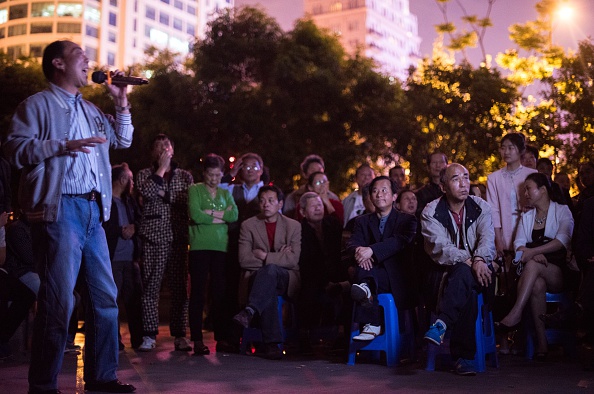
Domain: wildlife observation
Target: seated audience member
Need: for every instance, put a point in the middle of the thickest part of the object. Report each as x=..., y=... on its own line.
x=529, y=157
x=269, y=248
x=541, y=243
x=18, y=284
x=407, y=202
x=377, y=245
x=459, y=235
x=121, y=231
x=398, y=175
x=323, y=275
x=353, y=203
x=309, y=165
x=318, y=183
x=210, y=208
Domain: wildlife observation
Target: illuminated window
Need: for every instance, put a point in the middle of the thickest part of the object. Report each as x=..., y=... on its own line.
x=73, y=28
x=17, y=30
x=3, y=15
x=44, y=9
x=70, y=9
x=38, y=28
x=15, y=52
x=36, y=50
x=2, y=32
x=335, y=7
x=178, y=45
x=92, y=14
x=17, y=12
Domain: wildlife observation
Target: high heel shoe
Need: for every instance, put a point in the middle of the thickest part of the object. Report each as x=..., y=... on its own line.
x=501, y=328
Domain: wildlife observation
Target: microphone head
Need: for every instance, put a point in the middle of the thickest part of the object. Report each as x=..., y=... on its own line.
x=98, y=77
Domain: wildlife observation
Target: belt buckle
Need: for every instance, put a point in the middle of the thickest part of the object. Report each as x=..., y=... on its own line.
x=93, y=196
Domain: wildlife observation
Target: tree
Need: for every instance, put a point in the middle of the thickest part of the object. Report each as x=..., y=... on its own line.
x=460, y=111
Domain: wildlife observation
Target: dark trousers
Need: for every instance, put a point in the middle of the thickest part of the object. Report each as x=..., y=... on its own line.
x=128, y=280
x=203, y=263
x=315, y=308
x=21, y=297
x=378, y=282
x=268, y=283
x=458, y=310
x=586, y=299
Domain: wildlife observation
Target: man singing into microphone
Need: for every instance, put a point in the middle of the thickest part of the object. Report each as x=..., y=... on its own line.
x=62, y=144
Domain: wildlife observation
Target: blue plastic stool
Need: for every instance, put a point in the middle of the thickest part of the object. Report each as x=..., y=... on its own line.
x=563, y=337
x=388, y=342
x=485, y=341
x=253, y=334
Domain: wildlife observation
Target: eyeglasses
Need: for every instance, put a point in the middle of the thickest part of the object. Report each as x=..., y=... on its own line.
x=255, y=168
x=320, y=182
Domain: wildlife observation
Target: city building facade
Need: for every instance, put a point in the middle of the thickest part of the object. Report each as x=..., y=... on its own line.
x=114, y=33
x=384, y=30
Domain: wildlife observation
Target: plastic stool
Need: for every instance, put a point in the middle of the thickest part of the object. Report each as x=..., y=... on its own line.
x=388, y=342
x=563, y=337
x=484, y=336
x=253, y=334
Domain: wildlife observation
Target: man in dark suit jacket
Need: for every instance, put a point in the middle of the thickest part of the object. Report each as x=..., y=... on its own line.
x=377, y=244
x=323, y=274
x=269, y=248
x=123, y=242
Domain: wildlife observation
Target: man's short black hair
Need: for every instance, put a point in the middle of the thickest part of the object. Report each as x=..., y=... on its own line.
x=272, y=188
x=393, y=184
x=161, y=137
x=118, y=170
x=533, y=150
x=430, y=155
x=53, y=51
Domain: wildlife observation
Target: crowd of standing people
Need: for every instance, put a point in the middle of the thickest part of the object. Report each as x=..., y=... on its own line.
x=245, y=247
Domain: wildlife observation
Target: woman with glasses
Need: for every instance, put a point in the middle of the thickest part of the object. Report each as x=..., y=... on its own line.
x=318, y=183
x=541, y=244
x=211, y=208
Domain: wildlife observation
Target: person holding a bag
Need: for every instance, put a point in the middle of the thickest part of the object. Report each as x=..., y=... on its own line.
x=541, y=243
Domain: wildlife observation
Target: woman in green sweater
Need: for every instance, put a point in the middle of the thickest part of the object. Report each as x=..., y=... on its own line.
x=210, y=209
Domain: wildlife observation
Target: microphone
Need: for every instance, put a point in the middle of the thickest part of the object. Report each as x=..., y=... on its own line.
x=100, y=77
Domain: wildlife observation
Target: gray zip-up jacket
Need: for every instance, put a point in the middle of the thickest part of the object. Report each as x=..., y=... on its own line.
x=441, y=238
x=36, y=143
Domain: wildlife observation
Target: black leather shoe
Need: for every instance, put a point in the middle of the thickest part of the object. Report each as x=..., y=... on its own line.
x=270, y=351
x=243, y=318
x=115, y=386
x=501, y=328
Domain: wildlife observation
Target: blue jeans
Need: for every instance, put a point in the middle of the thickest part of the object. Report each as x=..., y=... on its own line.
x=74, y=242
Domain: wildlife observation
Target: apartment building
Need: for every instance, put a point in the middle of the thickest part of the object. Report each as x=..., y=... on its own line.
x=112, y=32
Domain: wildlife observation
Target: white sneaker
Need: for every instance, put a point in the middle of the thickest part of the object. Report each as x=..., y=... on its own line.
x=147, y=345
x=360, y=293
x=369, y=333
x=182, y=344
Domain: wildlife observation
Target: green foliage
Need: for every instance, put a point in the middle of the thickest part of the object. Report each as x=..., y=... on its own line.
x=460, y=111
x=19, y=79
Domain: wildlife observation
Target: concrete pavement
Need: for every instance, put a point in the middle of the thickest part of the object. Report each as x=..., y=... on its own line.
x=167, y=371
